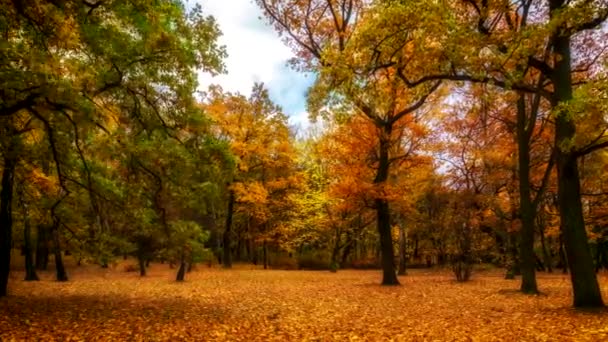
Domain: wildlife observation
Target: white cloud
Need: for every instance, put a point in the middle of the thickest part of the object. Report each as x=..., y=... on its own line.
x=255, y=54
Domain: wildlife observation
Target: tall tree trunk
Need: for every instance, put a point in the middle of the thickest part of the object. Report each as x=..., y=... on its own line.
x=59, y=267
x=584, y=281
x=546, y=256
x=402, y=249
x=30, y=269
x=227, y=259
x=513, y=268
x=562, y=254
x=526, y=207
x=347, y=250
x=42, y=247
x=181, y=272
x=265, y=254
x=141, y=261
x=333, y=264
x=6, y=220
x=387, y=254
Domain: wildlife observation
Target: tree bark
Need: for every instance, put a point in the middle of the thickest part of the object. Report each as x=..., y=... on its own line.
x=265, y=254
x=526, y=207
x=141, y=261
x=6, y=220
x=30, y=269
x=402, y=249
x=227, y=259
x=546, y=256
x=333, y=264
x=387, y=254
x=59, y=267
x=582, y=274
x=181, y=272
x=42, y=247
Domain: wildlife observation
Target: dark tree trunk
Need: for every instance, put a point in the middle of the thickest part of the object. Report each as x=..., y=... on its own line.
x=512, y=255
x=563, y=261
x=42, y=247
x=526, y=207
x=6, y=221
x=248, y=250
x=265, y=254
x=181, y=272
x=387, y=254
x=333, y=264
x=402, y=250
x=346, y=252
x=30, y=270
x=239, y=249
x=60, y=268
x=546, y=255
x=141, y=261
x=227, y=259
x=582, y=274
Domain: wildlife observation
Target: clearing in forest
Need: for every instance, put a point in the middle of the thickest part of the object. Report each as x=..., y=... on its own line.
x=257, y=305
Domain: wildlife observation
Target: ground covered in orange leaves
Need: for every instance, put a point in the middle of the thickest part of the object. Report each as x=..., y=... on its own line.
x=257, y=305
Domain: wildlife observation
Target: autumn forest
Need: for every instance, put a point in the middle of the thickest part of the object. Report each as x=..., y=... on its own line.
x=451, y=184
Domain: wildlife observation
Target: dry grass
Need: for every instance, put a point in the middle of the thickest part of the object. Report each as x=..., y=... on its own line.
x=257, y=305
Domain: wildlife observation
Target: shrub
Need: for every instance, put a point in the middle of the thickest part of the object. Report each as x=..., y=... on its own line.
x=283, y=262
x=131, y=268
x=313, y=261
x=365, y=264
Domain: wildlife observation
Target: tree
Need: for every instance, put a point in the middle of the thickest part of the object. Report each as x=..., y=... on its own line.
x=503, y=50
x=354, y=78
x=74, y=66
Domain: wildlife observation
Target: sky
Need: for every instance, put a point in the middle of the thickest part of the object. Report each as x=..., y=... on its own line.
x=256, y=54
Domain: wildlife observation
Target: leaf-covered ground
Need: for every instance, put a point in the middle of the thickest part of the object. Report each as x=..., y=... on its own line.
x=257, y=305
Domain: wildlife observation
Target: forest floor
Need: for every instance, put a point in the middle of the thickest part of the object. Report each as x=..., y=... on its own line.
x=246, y=304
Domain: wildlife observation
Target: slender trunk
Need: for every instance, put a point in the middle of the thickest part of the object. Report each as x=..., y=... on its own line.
x=30, y=269
x=227, y=259
x=513, y=259
x=142, y=264
x=526, y=207
x=562, y=254
x=402, y=249
x=248, y=249
x=42, y=247
x=584, y=281
x=333, y=264
x=239, y=248
x=60, y=268
x=387, y=254
x=546, y=255
x=265, y=254
x=6, y=221
x=181, y=272
x=346, y=251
